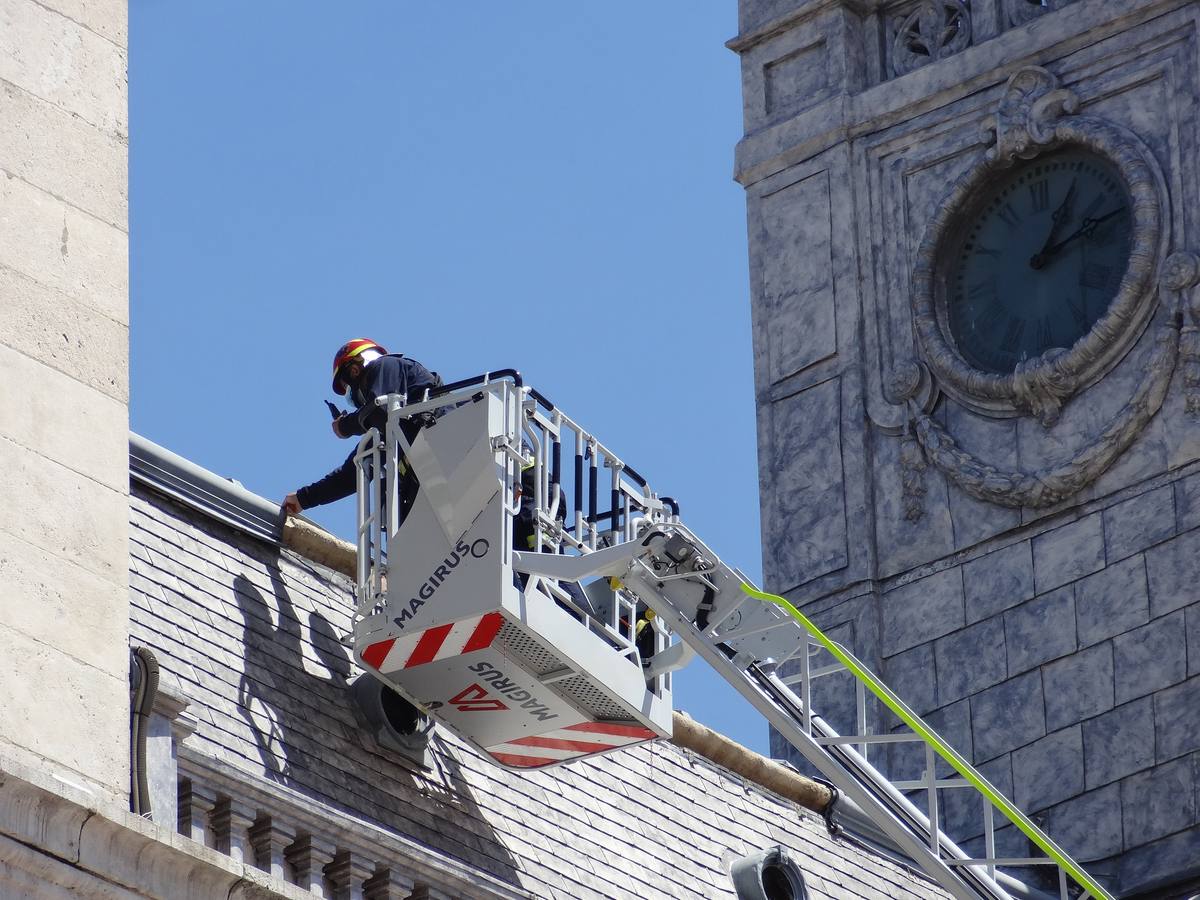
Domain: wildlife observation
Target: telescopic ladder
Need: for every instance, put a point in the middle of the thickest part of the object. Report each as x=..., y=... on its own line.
x=535, y=669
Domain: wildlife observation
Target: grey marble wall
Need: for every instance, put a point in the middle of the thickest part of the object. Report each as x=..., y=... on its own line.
x=1058, y=647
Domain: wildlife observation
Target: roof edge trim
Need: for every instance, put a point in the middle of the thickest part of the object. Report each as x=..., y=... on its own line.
x=221, y=498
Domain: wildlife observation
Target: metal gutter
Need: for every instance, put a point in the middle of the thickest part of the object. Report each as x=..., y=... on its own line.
x=221, y=498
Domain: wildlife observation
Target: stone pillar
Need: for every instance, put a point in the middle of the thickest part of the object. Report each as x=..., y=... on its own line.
x=196, y=804
x=308, y=856
x=270, y=838
x=170, y=725
x=426, y=892
x=231, y=823
x=348, y=874
x=64, y=420
x=387, y=885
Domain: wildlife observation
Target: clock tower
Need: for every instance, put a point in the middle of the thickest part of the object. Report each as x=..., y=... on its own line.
x=974, y=269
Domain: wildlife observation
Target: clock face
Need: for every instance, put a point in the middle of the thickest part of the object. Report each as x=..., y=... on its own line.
x=1042, y=255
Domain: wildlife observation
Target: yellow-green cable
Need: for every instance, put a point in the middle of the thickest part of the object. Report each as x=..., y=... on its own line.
x=948, y=753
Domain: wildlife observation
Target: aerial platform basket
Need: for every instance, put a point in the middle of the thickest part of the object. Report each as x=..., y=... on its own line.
x=534, y=674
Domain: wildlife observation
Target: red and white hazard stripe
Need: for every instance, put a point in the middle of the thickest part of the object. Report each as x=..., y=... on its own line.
x=568, y=743
x=440, y=642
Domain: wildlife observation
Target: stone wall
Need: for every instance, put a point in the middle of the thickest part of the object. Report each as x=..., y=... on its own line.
x=1049, y=643
x=1066, y=662
x=64, y=388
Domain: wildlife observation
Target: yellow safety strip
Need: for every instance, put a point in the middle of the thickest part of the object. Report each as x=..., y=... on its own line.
x=367, y=345
x=944, y=750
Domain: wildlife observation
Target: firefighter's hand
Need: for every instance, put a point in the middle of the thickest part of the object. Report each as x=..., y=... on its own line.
x=337, y=427
x=291, y=504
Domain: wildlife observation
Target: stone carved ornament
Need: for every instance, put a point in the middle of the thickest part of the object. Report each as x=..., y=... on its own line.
x=934, y=30
x=1036, y=115
x=1022, y=11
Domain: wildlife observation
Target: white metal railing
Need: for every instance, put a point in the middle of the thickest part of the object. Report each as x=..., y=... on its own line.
x=566, y=512
x=371, y=557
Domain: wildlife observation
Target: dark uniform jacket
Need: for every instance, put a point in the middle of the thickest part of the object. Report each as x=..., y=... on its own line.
x=392, y=374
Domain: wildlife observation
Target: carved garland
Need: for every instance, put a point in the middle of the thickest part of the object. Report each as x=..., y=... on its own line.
x=1030, y=120
x=1181, y=273
x=1053, y=485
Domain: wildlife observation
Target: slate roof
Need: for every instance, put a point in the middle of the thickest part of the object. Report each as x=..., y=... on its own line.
x=249, y=631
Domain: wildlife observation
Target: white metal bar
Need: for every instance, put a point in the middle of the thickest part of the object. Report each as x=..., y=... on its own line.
x=1003, y=861
x=806, y=688
x=860, y=701
x=989, y=834
x=847, y=739
x=579, y=487
x=931, y=775
x=943, y=784
x=539, y=497
x=817, y=673
x=593, y=477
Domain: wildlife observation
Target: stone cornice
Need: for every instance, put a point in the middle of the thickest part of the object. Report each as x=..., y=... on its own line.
x=845, y=116
x=98, y=849
x=780, y=24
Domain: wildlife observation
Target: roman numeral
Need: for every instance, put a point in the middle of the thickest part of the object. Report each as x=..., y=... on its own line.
x=1039, y=195
x=1012, y=337
x=1008, y=215
x=987, y=251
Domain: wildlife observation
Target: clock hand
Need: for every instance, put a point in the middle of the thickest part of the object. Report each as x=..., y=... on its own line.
x=1058, y=219
x=1085, y=230
x=1062, y=215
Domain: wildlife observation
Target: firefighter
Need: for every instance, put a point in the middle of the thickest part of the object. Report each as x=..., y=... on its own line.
x=364, y=370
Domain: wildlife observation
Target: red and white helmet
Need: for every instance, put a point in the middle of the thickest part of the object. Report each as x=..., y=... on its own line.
x=347, y=352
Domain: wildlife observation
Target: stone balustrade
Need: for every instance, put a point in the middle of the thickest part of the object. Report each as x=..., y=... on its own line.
x=323, y=851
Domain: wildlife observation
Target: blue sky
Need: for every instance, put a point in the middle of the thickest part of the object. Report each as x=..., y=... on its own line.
x=536, y=185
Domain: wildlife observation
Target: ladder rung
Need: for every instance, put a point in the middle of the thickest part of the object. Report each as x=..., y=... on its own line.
x=1001, y=861
x=869, y=739
x=830, y=669
x=916, y=785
